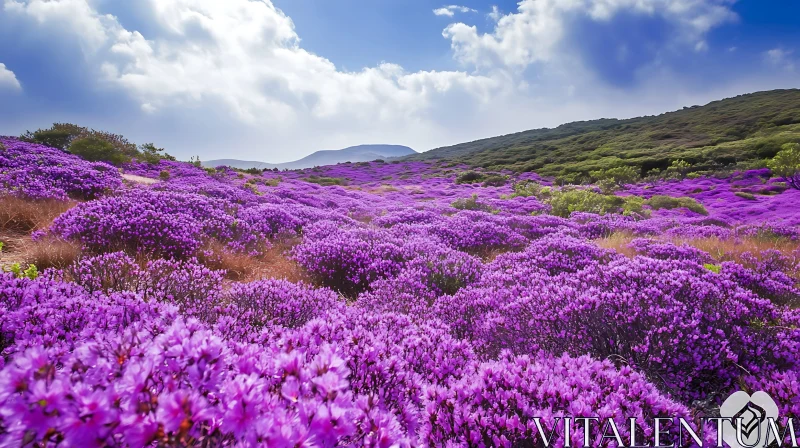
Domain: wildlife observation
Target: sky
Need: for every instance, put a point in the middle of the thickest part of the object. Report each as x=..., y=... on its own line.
x=277, y=80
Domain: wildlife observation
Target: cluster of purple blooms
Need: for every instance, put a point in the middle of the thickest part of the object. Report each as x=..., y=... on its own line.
x=39, y=172
x=425, y=324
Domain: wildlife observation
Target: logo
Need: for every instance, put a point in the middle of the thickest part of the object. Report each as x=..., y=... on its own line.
x=747, y=420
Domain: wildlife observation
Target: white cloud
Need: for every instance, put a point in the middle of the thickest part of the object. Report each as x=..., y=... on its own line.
x=780, y=58
x=534, y=32
x=8, y=79
x=249, y=58
x=234, y=77
x=451, y=10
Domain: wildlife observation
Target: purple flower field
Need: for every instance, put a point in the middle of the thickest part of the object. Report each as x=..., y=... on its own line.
x=420, y=311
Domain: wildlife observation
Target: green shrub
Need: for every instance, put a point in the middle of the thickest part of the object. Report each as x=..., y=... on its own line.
x=528, y=188
x=679, y=169
x=31, y=272
x=715, y=268
x=326, y=181
x=60, y=135
x=96, y=149
x=564, y=202
x=149, y=153
x=786, y=164
x=615, y=177
x=495, y=181
x=471, y=203
x=164, y=175
x=658, y=202
x=745, y=195
x=470, y=177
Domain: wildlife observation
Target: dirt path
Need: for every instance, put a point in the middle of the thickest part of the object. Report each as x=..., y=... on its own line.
x=140, y=179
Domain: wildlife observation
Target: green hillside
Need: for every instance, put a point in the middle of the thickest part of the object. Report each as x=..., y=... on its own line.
x=722, y=133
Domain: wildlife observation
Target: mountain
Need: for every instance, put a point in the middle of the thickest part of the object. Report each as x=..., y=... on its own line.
x=741, y=129
x=362, y=153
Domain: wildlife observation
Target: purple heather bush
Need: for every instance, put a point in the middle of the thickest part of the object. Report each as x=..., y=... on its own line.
x=668, y=251
x=39, y=172
x=425, y=325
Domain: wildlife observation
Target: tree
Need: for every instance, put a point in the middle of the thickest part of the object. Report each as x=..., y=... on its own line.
x=151, y=154
x=60, y=135
x=786, y=164
x=97, y=149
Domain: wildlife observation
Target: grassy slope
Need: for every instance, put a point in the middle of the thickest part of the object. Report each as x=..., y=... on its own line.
x=746, y=127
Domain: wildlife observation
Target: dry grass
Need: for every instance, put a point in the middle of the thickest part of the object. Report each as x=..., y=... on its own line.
x=23, y=215
x=720, y=249
x=618, y=242
x=18, y=218
x=44, y=253
x=274, y=263
x=733, y=250
x=52, y=253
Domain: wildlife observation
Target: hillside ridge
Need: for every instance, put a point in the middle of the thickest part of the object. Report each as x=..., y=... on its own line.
x=723, y=132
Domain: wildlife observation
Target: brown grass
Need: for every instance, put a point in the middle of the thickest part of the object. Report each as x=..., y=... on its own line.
x=720, y=249
x=274, y=263
x=52, y=253
x=23, y=215
x=618, y=242
x=44, y=253
x=19, y=217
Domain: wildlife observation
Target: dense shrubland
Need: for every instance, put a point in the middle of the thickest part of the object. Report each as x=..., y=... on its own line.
x=319, y=307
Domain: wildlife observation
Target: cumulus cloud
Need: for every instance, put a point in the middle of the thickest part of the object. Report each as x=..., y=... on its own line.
x=246, y=55
x=780, y=58
x=451, y=10
x=205, y=76
x=8, y=79
x=535, y=31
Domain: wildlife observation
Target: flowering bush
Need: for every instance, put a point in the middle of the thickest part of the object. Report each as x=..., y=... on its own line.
x=462, y=327
x=40, y=172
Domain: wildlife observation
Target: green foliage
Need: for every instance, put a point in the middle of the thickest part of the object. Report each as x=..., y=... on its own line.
x=786, y=164
x=495, y=180
x=149, y=153
x=95, y=145
x=745, y=195
x=31, y=272
x=658, y=202
x=471, y=203
x=470, y=177
x=60, y=135
x=715, y=268
x=720, y=134
x=611, y=179
x=679, y=169
x=96, y=149
x=564, y=202
x=2, y=245
x=326, y=181
x=528, y=188
x=164, y=175
x=196, y=161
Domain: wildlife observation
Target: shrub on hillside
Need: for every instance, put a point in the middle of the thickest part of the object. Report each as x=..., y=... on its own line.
x=565, y=202
x=60, y=135
x=470, y=177
x=786, y=164
x=95, y=149
x=659, y=202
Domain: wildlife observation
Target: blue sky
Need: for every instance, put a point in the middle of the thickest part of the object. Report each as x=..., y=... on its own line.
x=275, y=81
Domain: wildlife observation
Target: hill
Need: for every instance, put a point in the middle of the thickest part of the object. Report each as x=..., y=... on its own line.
x=721, y=133
x=361, y=153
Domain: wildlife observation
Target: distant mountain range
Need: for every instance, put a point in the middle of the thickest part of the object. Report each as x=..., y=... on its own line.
x=362, y=153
